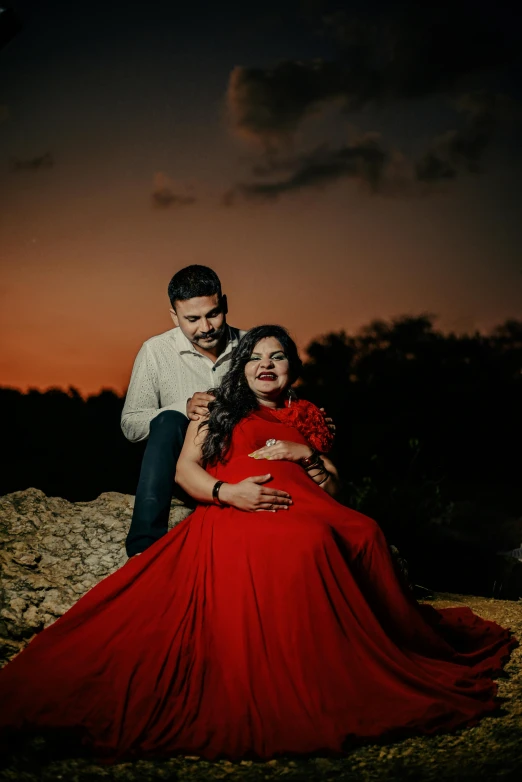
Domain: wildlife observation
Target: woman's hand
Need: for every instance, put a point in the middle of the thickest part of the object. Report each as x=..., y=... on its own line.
x=251, y=495
x=328, y=421
x=283, y=449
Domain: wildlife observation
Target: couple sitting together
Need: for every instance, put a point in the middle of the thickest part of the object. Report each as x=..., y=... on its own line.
x=271, y=620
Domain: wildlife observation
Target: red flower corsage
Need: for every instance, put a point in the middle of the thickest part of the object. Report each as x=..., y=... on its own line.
x=307, y=419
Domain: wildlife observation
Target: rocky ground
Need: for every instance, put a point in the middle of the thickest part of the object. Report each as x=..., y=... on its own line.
x=52, y=551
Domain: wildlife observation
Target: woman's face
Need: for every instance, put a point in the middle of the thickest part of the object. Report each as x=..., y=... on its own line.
x=267, y=371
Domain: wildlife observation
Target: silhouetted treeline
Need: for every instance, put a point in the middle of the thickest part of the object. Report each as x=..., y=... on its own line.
x=66, y=446
x=430, y=434
x=402, y=391
x=425, y=420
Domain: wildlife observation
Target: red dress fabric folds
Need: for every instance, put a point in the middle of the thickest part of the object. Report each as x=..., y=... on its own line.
x=255, y=634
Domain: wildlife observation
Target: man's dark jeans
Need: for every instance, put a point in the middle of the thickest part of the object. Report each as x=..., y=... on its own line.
x=156, y=484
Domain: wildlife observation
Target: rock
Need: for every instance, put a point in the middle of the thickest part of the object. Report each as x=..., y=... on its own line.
x=52, y=552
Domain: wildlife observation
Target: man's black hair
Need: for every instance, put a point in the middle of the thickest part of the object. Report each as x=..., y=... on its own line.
x=193, y=281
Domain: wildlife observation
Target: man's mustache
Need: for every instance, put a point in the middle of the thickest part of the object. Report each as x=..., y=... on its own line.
x=210, y=334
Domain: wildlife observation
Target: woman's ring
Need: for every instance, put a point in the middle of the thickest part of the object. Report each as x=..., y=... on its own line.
x=271, y=441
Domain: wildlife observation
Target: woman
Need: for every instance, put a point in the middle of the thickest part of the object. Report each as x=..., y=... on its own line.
x=269, y=622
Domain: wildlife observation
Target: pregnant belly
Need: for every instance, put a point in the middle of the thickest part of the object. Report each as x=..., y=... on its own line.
x=242, y=467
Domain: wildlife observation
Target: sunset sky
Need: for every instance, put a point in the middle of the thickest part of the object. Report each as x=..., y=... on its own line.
x=334, y=162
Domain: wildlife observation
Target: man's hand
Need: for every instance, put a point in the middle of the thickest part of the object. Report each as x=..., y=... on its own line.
x=252, y=496
x=328, y=421
x=197, y=405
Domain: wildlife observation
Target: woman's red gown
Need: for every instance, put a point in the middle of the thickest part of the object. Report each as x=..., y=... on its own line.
x=255, y=634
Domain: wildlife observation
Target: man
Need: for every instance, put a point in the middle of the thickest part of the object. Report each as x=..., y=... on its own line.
x=171, y=375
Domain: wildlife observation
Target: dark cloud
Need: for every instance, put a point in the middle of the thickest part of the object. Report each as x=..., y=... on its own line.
x=32, y=164
x=387, y=53
x=462, y=150
x=382, y=171
x=165, y=197
x=404, y=51
x=363, y=160
x=267, y=105
x=167, y=194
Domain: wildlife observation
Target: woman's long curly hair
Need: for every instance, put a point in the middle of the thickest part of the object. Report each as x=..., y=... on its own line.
x=234, y=398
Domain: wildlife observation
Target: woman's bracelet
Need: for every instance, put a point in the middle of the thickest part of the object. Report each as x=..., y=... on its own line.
x=326, y=476
x=215, y=493
x=314, y=460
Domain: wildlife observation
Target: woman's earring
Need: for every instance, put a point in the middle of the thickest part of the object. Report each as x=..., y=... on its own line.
x=291, y=396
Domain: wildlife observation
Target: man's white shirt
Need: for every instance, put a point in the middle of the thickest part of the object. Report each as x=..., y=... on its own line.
x=167, y=371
